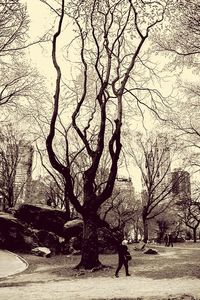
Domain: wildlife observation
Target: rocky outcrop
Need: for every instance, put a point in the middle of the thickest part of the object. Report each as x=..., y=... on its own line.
x=38, y=226
x=14, y=235
x=42, y=217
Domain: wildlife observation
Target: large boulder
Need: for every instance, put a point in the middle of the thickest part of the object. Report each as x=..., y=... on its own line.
x=50, y=240
x=42, y=217
x=41, y=251
x=14, y=235
x=151, y=251
x=73, y=228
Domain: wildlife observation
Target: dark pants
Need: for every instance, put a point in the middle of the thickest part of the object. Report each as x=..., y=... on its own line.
x=120, y=264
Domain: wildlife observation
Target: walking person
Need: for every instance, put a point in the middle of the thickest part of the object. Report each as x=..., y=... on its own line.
x=166, y=239
x=171, y=240
x=124, y=257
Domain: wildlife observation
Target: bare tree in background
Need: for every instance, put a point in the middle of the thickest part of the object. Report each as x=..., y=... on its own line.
x=111, y=36
x=180, y=41
x=119, y=210
x=181, y=32
x=189, y=213
x=155, y=166
x=16, y=77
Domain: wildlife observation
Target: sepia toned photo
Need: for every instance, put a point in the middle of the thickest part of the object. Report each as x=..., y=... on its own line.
x=99, y=150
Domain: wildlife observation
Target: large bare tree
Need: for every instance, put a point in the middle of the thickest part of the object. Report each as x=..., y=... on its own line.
x=110, y=36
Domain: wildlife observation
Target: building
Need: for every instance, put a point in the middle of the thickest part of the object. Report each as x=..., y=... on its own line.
x=125, y=185
x=119, y=208
x=15, y=171
x=23, y=175
x=157, y=168
x=38, y=192
x=181, y=186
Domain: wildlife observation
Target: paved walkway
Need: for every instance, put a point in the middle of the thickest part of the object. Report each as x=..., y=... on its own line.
x=11, y=263
x=103, y=288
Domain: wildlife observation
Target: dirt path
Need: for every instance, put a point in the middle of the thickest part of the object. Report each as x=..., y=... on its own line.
x=103, y=288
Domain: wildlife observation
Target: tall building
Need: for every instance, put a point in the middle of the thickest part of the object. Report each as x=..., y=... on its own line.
x=15, y=171
x=157, y=166
x=125, y=185
x=181, y=186
x=120, y=205
x=38, y=191
x=23, y=175
x=163, y=158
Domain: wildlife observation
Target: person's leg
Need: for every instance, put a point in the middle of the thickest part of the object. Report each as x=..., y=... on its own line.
x=120, y=263
x=126, y=268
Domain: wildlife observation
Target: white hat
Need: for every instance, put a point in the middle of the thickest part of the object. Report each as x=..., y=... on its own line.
x=124, y=242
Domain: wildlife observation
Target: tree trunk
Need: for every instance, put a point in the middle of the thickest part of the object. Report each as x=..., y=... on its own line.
x=146, y=231
x=195, y=235
x=90, y=255
x=11, y=201
x=66, y=202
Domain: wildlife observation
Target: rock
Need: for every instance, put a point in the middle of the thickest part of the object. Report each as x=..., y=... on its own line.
x=42, y=217
x=150, y=251
x=50, y=240
x=41, y=251
x=14, y=235
x=73, y=228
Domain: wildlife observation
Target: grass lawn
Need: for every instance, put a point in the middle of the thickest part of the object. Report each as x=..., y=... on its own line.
x=182, y=260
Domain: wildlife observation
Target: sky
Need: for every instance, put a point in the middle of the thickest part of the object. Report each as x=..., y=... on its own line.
x=40, y=21
x=40, y=57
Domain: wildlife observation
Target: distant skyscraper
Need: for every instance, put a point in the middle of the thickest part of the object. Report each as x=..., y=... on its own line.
x=24, y=171
x=15, y=171
x=121, y=201
x=157, y=165
x=181, y=186
x=163, y=159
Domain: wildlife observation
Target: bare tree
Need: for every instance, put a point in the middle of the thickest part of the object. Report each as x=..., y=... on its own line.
x=119, y=210
x=16, y=77
x=182, y=32
x=189, y=213
x=111, y=35
x=182, y=45
x=154, y=163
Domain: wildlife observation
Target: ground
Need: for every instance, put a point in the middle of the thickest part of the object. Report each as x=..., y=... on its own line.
x=172, y=274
